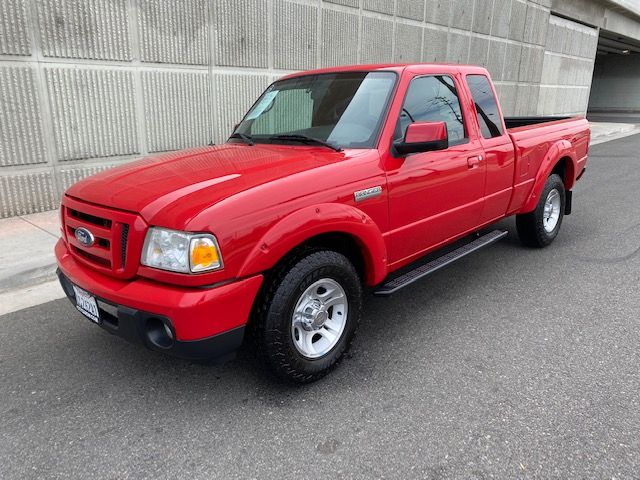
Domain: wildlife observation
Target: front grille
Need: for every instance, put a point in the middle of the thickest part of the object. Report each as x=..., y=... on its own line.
x=94, y=258
x=86, y=217
x=123, y=243
x=111, y=230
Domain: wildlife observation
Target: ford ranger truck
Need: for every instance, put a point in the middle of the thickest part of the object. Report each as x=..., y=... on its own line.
x=336, y=182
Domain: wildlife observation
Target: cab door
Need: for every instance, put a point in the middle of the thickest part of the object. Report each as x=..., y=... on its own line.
x=498, y=148
x=438, y=195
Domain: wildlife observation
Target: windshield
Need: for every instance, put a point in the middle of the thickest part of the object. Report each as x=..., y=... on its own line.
x=344, y=110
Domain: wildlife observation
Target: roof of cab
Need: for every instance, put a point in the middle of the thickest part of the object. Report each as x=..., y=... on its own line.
x=397, y=67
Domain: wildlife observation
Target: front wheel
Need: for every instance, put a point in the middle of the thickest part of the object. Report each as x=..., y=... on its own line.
x=308, y=316
x=540, y=227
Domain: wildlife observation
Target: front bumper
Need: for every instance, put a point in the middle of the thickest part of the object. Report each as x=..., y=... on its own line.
x=205, y=322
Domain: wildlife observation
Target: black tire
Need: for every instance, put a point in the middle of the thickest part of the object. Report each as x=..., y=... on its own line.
x=530, y=226
x=272, y=329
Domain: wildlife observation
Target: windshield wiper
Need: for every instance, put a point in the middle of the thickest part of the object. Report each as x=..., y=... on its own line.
x=305, y=139
x=245, y=138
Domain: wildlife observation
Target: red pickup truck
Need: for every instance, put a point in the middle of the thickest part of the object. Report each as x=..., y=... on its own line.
x=335, y=181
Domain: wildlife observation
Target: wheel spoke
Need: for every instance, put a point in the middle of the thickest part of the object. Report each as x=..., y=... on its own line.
x=328, y=291
x=335, y=300
x=333, y=325
x=330, y=335
x=308, y=343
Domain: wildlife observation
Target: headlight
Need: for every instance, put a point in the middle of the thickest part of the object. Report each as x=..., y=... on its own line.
x=180, y=252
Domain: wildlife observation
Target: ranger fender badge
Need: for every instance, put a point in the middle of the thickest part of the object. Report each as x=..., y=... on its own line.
x=361, y=195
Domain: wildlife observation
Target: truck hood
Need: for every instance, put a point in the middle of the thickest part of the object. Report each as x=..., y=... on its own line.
x=181, y=184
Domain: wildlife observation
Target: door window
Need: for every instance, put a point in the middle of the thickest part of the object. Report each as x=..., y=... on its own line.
x=433, y=99
x=486, y=106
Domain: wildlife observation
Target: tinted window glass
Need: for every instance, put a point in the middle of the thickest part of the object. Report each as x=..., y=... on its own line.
x=486, y=106
x=433, y=99
x=345, y=109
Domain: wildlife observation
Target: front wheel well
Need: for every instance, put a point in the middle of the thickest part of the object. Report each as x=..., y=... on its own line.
x=339, y=242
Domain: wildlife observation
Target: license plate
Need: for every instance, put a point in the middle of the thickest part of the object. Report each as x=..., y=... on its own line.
x=86, y=305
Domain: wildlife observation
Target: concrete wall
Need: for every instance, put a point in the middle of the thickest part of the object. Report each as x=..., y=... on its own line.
x=567, y=67
x=616, y=84
x=87, y=84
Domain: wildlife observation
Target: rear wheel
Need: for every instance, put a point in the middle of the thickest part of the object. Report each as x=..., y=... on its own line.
x=308, y=316
x=540, y=227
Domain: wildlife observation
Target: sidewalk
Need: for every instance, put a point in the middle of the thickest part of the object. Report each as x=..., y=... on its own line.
x=606, y=131
x=27, y=264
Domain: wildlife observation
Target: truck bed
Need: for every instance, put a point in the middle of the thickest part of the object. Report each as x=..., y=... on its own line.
x=533, y=138
x=515, y=122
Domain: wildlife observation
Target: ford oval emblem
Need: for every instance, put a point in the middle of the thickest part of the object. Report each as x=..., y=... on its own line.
x=85, y=237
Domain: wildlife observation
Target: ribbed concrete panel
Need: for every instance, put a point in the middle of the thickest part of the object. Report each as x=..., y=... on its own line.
x=512, y=62
x=24, y=194
x=21, y=141
x=482, y=16
x=517, y=20
x=242, y=32
x=177, y=110
x=434, y=47
x=174, y=32
x=495, y=64
x=531, y=64
x=438, y=12
x=461, y=14
x=93, y=29
x=507, y=96
x=501, y=17
x=382, y=6
x=69, y=176
x=527, y=99
x=479, y=52
x=457, y=48
x=14, y=36
x=297, y=25
x=535, y=28
x=377, y=40
x=408, y=43
x=93, y=112
x=413, y=9
x=234, y=95
x=339, y=38
x=348, y=3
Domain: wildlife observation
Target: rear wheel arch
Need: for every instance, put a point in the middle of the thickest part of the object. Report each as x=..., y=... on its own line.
x=559, y=160
x=566, y=170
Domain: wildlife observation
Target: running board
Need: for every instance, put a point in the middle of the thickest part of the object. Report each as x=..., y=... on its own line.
x=408, y=278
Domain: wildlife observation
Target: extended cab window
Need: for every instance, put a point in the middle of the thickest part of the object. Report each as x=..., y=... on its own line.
x=486, y=106
x=433, y=99
x=344, y=109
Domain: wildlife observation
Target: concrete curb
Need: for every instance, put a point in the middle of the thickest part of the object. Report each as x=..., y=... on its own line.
x=29, y=277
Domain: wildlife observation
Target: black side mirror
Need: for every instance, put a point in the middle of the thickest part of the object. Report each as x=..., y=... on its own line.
x=423, y=137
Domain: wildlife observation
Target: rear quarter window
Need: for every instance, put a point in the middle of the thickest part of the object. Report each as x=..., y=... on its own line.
x=486, y=106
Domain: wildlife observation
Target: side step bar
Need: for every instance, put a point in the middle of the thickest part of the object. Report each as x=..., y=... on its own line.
x=408, y=278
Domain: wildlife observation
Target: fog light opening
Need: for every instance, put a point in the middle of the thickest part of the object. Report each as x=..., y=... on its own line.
x=159, y=333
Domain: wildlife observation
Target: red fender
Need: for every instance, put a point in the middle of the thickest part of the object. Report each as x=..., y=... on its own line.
x=560, y=149
x=308, y=222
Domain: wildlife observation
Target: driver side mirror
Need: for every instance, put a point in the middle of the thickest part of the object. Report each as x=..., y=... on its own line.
x=423, y=137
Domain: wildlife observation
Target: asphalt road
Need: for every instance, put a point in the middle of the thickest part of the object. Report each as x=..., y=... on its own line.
x=511, y=363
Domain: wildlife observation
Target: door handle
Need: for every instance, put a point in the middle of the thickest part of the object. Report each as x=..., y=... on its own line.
x=474, y=161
